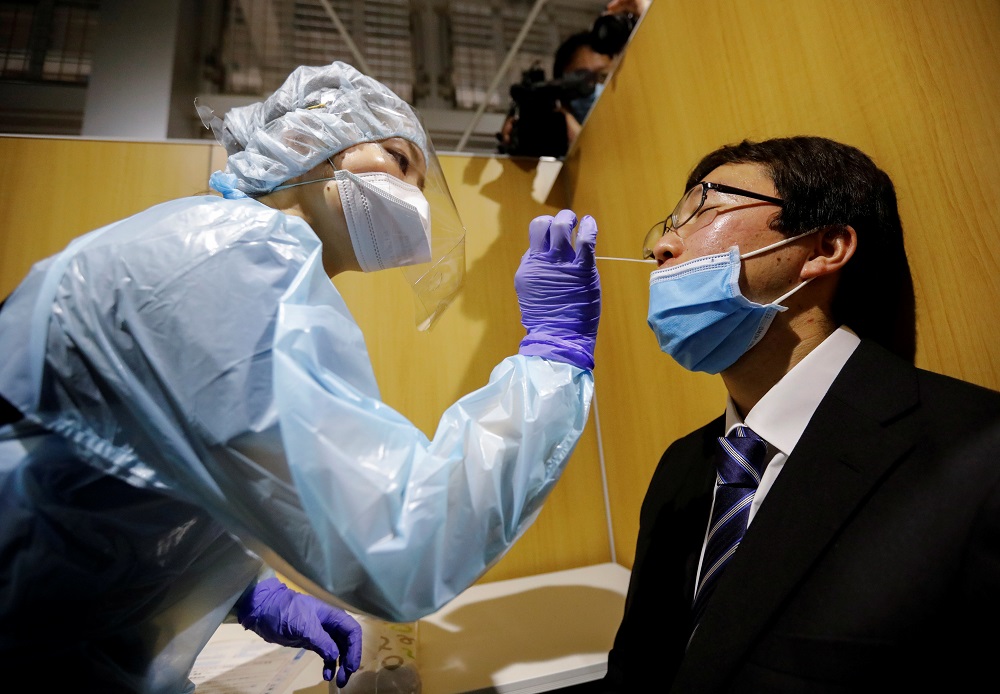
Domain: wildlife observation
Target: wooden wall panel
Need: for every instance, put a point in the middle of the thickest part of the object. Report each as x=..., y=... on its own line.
x=914, y=83
x=52, y=190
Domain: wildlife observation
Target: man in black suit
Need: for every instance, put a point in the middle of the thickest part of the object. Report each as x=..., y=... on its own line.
x=871, y=557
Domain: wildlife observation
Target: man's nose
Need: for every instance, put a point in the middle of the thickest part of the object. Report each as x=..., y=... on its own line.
x=668, y=246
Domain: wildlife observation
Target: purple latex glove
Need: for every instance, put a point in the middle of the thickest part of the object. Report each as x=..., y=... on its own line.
x=280, y=615
x=559, y=290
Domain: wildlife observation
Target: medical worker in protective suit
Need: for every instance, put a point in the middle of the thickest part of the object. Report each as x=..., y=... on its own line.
x=194, y=411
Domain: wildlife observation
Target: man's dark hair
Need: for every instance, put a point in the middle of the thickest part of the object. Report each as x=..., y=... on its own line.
x=829, y=184
x=567, y=49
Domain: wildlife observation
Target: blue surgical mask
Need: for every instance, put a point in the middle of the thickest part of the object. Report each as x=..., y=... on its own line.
x=581, y=107
x=699, y=316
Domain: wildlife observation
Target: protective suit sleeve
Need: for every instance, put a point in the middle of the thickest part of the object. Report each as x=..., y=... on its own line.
x=420, y=520
x=198, y=348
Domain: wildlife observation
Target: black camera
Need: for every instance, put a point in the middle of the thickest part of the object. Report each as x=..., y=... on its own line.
x=611, y=31
x=539, y=129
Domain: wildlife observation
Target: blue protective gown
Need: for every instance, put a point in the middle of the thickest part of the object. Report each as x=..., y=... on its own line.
x=199, y=403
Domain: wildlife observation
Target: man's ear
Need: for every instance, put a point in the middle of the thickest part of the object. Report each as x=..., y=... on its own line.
x=831, y=250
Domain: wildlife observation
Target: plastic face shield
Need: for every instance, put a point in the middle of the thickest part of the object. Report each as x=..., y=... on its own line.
x=317, y=113
x=436, y=282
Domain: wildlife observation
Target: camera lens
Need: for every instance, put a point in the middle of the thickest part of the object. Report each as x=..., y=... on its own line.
x=611, y=31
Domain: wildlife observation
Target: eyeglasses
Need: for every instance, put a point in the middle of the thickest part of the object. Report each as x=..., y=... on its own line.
x=691, y=205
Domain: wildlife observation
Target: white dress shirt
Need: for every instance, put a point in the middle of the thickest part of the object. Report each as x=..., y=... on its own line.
x=782, y=414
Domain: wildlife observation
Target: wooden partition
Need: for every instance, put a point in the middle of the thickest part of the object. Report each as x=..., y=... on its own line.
x=914, y=83
x=52, y=190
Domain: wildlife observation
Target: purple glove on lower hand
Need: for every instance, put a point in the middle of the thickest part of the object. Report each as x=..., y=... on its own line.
x=559, y=290
x=280, y=615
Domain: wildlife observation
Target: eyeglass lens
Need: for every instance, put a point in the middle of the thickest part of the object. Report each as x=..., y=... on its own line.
x=688, y=206
x=652, y=236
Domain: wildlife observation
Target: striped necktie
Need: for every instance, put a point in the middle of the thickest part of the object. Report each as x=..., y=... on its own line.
x=739, y=460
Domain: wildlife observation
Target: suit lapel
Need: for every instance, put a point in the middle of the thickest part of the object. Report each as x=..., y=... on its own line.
x=667, y=554
x=845, y=451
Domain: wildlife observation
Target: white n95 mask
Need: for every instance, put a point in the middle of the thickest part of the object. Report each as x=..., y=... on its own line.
x=389, y=220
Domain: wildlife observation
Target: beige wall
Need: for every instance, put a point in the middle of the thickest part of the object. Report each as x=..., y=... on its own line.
x=52, y=190
x=914, y=83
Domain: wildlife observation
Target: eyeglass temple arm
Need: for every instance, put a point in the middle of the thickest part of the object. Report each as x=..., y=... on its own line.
x=723, y=188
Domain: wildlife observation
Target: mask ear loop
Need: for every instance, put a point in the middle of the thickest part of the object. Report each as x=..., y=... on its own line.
x=778, y=244
x=315, y=180
x=793, y=290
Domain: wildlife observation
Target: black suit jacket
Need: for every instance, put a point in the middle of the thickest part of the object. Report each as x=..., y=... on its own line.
x=873, y=564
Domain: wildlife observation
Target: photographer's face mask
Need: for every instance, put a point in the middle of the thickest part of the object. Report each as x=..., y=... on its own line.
x=388, y=220
x=581, y=107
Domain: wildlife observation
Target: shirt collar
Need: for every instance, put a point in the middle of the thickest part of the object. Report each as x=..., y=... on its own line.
x=782, y=414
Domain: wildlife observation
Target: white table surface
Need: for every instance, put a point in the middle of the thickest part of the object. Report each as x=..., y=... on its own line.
x=520, y=636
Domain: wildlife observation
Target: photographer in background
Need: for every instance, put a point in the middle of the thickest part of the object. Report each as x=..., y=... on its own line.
x=578, y=56
x=546, y=117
